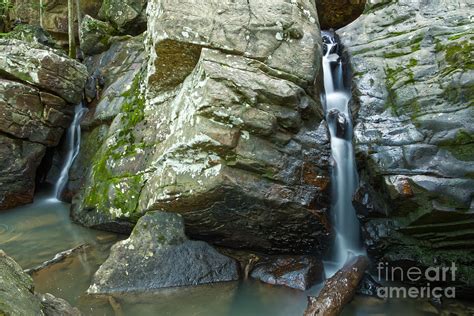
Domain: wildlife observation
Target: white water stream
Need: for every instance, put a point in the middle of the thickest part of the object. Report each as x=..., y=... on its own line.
x=73, y=143
x=344, y=176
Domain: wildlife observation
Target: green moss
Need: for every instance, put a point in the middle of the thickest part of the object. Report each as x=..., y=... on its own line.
x=119, y=192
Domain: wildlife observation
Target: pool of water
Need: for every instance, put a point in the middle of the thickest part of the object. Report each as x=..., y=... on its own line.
x=34, y=233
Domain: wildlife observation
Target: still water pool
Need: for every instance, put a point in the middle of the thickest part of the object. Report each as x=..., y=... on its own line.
x=34, y=233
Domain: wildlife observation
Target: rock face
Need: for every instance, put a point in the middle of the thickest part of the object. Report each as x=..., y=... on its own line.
x=158, y=255
x=298, y=272
x=222, y=127
x=414, y=79
x=55, y=14
x=34, y=112
x=17, y=295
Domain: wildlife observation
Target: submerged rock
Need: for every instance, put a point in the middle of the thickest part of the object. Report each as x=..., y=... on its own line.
x=218, y=127
x=17, y=295
x=413, y=80
x=158, y=255
x=298, y=272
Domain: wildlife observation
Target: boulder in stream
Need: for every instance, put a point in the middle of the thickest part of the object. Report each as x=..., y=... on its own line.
x=158, y=255
x=298, y=272
x=17, y=296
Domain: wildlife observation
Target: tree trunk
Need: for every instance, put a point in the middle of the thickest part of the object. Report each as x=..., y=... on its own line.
x=79, y=14
x=41, y=13
x=71, y=33
x=338, y=290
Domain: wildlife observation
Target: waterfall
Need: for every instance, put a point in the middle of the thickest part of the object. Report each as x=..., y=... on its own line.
x=344, y=178
x=73, y=142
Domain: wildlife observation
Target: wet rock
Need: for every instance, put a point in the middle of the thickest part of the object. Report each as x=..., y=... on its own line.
x=32, y=34
x=17, y=296
x=158, y=255
x=40, y=66
x=368, y=286
x=16, y=289
x=53, y=306
x=95, y=35
x=339, y=122
x=414, y=131
x=339, y=13
x=298, y=272
x=128, y=17
x=18, y=162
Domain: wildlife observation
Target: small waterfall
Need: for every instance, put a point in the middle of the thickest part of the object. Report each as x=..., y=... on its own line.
x=73, y=142
x=344, y=176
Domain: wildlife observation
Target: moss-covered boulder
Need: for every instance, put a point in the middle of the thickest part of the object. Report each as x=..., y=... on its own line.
x=127, y=16
x=95, y=35
x=31, y=34
x=220, y=127
x=413, y=80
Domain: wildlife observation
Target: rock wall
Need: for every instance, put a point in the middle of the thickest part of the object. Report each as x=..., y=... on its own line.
x=223, y=126
x=34, y=111
x=413, y=82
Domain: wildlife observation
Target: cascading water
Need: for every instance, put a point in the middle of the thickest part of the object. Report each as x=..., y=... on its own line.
x=344, y=176
x=73, y=142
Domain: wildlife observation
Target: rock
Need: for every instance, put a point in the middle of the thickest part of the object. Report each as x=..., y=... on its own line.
x=413, y=81
x=368, y=286
x=110, y=76
x=95, y=36
x=127, y=16
x=336, y=14
x=40, y=66
x=338, y=121
x=53, y=306
x=28, y=113
x=18, y=162
x=158, y=255
x=54, y=15
x=17, y=296
x=178, y=32
x=32, y=34
x=298, y=272
x=184, y=136
x=36, y=84
x=16, y=290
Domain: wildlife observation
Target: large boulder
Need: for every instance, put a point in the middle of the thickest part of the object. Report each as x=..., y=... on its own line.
x=158, y=255
x=36, y=84
x=17, y=296
x=43, y=67
x=414, y=132
x=222, y=128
